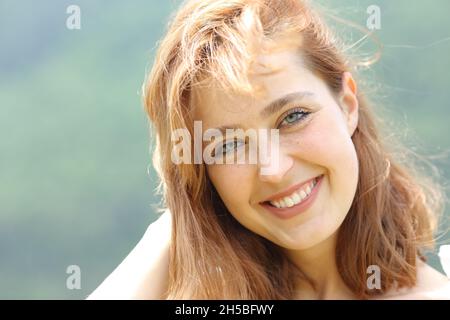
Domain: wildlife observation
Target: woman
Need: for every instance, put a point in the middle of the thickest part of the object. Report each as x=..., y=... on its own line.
x=330, y=214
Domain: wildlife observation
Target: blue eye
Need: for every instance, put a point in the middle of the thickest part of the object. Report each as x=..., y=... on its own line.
x=228, y=147
x=294, y=116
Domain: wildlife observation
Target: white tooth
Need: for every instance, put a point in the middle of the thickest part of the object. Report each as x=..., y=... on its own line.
x=289, y=202
x=296, y=198
x=302, y=194
x=308, y=189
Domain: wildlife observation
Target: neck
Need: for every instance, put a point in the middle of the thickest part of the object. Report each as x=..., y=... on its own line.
x=319, y=265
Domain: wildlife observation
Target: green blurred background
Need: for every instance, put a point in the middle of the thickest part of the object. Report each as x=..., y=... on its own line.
x=74, y=142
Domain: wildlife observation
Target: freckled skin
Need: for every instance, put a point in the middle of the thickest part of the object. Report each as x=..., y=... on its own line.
x=320, y=144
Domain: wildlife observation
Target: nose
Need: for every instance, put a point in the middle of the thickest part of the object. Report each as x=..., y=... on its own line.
x=274, y=163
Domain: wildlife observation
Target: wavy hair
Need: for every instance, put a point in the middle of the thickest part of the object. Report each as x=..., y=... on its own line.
x=212, y=256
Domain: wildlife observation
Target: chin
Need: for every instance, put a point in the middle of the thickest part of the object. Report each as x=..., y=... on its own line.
x=298, y=242
x=304, y=236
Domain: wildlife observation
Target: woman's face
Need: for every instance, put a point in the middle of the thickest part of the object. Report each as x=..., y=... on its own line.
x=305, y=197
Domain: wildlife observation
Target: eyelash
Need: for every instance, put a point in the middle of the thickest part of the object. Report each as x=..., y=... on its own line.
x=304, y=114
x=298, y=110
x=224, y=144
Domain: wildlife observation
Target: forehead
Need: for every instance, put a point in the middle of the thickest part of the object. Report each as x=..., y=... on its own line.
x=273, y=76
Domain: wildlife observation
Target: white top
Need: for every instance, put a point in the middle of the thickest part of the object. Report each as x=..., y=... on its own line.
x=444, y=255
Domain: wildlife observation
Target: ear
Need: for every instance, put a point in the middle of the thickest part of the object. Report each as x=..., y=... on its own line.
x=349, y=101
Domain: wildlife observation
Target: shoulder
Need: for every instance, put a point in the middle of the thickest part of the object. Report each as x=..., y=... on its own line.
x=431, y=285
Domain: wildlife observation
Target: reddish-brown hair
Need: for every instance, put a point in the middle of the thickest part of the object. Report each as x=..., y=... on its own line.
x=212, y=255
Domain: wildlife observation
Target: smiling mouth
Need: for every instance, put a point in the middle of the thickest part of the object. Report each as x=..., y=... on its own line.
x=297, y=197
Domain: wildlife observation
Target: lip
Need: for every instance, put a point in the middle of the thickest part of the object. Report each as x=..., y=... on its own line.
x=287, y=213
x=289, y=190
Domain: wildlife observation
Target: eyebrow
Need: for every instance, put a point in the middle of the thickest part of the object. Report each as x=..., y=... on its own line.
x=279, y=103
x=274, y=106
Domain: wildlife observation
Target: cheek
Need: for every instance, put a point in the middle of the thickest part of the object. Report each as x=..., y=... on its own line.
x=326, y=143
x=233, y=184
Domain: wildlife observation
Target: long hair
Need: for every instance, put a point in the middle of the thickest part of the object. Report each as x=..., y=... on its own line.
x=212, y=256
